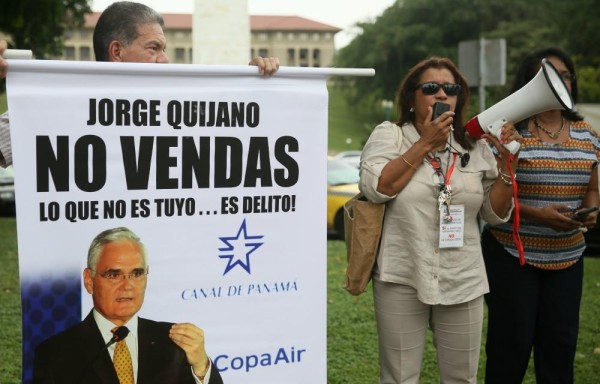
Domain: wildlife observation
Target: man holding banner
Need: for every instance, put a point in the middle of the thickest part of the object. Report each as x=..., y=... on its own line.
x=125, y=32
x=116, y=277
x=215, y=167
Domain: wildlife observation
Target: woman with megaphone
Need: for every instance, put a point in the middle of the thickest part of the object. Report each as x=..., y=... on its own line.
x=535, y=306
x=435, y=182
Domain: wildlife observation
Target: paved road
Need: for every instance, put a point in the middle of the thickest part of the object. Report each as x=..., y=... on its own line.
x=591, y=112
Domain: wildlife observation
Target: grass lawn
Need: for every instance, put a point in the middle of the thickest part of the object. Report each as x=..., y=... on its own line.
x=346, y=132
x=351, y=340
x=10, y=304
x=3, y=102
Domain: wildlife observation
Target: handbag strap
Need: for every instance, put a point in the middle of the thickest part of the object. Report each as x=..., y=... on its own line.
x=400, y=136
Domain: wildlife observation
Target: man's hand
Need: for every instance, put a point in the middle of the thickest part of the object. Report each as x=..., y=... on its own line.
x=266, y=65
x=191, y=339
x=3, y=63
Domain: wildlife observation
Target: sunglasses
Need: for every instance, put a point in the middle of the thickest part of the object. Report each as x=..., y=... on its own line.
x=567, y=76
x=431, y=88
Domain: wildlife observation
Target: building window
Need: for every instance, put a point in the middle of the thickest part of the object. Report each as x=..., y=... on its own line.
x=279, y=36
x=70, y=53
x=263, y=36
x=316, y=36
x=180, y=55
x=252, y=53
x=303, y=36
x=191, y=55
x=291, y=57
x=304, y=57
x=84, y=34
x=291, y=36
x=84, y=53
x=316, y=57
x=263, y=52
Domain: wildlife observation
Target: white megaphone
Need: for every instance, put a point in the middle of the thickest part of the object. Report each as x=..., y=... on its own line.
x=544, y=92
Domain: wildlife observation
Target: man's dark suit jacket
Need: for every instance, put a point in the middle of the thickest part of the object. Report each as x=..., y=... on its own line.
x=76, y=355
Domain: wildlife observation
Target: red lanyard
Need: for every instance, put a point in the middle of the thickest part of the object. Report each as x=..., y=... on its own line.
x=435, y=163
x=516, y=214
x=438, y=168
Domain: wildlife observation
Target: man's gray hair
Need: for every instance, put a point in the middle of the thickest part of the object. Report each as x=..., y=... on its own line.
x=120, y=22
x=111, y=236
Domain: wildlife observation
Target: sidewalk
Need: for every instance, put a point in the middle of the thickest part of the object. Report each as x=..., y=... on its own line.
x=591, y=113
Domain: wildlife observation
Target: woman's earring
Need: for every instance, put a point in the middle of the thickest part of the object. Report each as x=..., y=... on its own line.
x=411, y=109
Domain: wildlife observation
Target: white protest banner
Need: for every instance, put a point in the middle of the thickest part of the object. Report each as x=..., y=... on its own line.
x=219, y=171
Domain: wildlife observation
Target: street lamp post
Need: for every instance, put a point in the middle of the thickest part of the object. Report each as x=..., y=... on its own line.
x=387, y=106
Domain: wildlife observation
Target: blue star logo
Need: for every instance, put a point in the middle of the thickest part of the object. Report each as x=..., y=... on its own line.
x=239, y=248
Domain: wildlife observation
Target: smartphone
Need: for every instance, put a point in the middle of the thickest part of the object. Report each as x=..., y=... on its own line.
x=438, y=109
x=583, y=213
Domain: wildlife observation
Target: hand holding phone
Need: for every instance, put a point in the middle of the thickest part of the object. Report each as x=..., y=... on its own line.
x=583, y=213
x=438, y=109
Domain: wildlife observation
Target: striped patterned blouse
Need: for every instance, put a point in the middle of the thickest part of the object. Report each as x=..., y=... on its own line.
x=551, y=174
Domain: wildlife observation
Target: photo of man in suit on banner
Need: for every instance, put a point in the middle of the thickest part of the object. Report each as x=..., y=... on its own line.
x=112, y=344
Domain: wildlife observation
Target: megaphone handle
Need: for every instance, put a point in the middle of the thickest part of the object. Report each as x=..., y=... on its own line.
x=496, y=129
x=513, y=147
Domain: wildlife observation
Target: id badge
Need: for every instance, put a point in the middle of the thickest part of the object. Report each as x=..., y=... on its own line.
x=452, y=226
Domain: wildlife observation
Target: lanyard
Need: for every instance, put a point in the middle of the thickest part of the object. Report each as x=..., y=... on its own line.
x=435, y=164
x=445, y=193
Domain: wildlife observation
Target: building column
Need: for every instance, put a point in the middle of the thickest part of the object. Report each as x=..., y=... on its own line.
x=221, y=32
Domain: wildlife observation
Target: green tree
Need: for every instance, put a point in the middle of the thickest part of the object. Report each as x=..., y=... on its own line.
x=412, y=30
x=40, y=25
x=589, y=83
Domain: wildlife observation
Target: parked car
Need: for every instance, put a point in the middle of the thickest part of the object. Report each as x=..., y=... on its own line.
x=342, y=184
x=7, y=191
x=349, y=157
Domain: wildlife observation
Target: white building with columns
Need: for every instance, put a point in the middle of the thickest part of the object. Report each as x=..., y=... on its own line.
x=295, y=40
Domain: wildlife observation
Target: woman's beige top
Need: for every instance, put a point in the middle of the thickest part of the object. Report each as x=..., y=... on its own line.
x=409, y=252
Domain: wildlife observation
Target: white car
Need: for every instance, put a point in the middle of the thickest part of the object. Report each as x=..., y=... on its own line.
x=349, y=157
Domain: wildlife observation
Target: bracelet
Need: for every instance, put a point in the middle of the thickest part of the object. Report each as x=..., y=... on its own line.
x=409, y=164
x=506, y=179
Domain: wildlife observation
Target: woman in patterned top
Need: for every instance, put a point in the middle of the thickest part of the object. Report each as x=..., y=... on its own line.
x=536, y=306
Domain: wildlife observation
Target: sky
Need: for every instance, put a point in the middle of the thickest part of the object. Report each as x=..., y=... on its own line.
x=338, y=13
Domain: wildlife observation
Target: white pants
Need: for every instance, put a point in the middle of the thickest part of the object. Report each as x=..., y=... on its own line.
x=402, y=322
